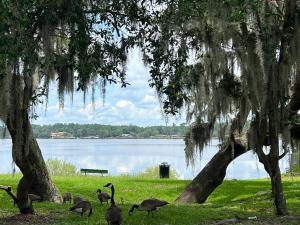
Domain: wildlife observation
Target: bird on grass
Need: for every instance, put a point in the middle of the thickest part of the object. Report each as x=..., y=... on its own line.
x=102, y=196
x=35, y=198
x=149, y=205
x=82, y=207
x=67, y=197
x=113, y=213
x=77, y=199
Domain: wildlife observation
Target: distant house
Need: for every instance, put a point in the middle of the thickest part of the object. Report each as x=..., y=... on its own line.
x=57, y=135
x=176, y=136
x=126, y=135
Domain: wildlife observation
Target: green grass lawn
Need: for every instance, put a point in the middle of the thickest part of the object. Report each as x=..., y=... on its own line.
x=232, y=199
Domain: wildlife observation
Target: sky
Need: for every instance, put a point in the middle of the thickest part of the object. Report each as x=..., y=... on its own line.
x=137, y=104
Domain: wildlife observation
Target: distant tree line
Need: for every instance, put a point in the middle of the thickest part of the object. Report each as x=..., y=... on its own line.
x=108, y=131
x=104, y=131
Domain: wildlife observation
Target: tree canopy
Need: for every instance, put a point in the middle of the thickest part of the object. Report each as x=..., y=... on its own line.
x=218, y=58
x=230, y=61
x=74, y=42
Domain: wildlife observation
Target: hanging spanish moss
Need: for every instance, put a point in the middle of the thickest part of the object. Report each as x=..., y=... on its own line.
x=239, y=50
x=73, y=43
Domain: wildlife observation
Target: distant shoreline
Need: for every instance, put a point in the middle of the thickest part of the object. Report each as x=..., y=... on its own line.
x=98, y=131
x=106, y=138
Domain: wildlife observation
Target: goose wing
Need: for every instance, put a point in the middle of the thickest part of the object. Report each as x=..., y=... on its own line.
x=104, y=196
x=114, y=215
x=151, y=204
x=35, y=198
x=77, y=207
x=77, y=199
x=80, y=206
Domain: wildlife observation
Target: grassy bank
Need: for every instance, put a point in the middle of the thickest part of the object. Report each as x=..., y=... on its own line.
x=240, y=199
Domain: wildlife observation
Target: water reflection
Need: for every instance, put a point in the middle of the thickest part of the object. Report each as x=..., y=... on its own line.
x=132, y=156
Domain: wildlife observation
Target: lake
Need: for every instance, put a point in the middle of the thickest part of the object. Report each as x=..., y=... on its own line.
x=132, y=156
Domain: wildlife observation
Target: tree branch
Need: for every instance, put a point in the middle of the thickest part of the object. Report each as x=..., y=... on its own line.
x=282, y=155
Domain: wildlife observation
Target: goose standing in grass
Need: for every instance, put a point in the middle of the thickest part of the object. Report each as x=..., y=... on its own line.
x=113, y=213
x=67, y=197
x=77, y=199
x=35, y=198
x=82, y=207
x=102, y=196
x=148, y=205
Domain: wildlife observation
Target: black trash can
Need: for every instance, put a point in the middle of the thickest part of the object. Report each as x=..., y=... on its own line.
x=164, y=170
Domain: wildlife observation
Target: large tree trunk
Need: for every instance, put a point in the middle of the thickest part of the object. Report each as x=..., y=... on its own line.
x=213, y=174
x=36, y=179
x=26, y=152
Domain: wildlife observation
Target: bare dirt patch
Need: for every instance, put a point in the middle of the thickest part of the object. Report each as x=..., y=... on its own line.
x=34, y=219
x=285, y=220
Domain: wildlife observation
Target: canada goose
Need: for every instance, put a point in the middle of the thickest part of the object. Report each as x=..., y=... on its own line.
x=32, y=198
x=35, y=198
x=82, y=207
x=148, y=205
x=77, y=199
x=113, y=213
x=102, y=196
x=67, y=197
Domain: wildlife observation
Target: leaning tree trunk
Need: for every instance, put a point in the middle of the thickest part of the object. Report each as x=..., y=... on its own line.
x=36, y=179
x=26, y=152
x=213, y=174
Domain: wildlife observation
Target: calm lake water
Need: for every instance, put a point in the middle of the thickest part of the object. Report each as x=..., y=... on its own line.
x=132, y=156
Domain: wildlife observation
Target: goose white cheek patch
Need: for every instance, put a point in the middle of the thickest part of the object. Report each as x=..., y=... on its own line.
x=79, y=210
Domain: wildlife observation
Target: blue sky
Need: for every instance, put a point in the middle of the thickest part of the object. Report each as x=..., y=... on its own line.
x=137, y=104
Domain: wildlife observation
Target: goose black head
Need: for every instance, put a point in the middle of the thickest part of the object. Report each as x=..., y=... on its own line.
x=132, y=209
x=98, y=191
x=108, y=185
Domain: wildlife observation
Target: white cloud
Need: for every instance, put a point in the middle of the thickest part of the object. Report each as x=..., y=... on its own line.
x=150, y=99
x=124, y=104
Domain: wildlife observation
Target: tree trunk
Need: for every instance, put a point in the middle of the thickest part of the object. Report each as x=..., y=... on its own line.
x=26, y=152
x=277, y=189
x=271, y=165
x=36, y=179
x=213, y=174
